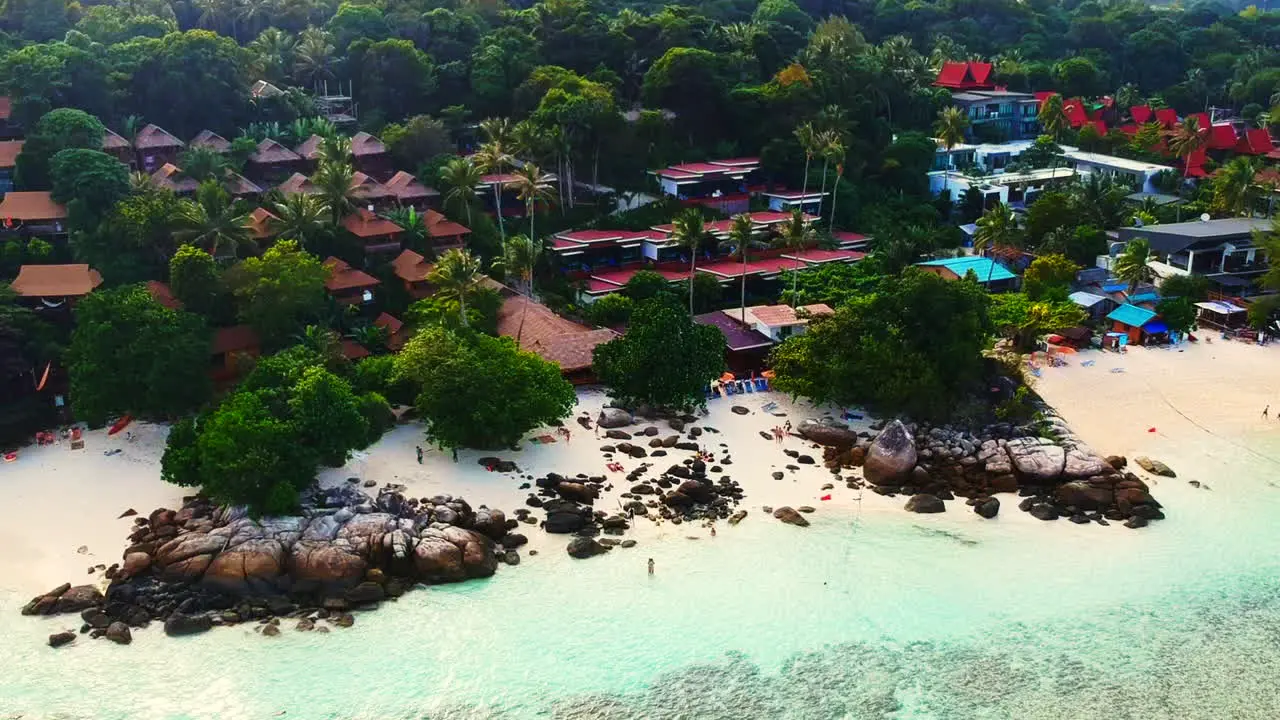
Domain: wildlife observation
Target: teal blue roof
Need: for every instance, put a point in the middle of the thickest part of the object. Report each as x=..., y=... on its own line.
x=985, y=268
x=1144, y=297
x=1131, y=315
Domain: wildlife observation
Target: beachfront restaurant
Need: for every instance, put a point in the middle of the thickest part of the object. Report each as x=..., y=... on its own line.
x=1133, y=325
x=1221, y=314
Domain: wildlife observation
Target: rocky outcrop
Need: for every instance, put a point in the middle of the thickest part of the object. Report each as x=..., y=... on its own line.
x=1036, y=460
x=925, y=503
x=891, y=457
x=178, y=624
x=790, y=516
x=614, y=418
x=831, y=434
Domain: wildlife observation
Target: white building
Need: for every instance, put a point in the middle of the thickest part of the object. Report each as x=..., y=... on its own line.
x=1136, y=173
x=778, y=322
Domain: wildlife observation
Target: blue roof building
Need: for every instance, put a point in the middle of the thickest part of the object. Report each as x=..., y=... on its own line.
x=990, y=273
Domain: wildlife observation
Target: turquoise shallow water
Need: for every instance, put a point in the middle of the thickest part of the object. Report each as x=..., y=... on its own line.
x=862, y=615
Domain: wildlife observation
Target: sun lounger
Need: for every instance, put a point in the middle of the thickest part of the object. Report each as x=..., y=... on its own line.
x=769, y=406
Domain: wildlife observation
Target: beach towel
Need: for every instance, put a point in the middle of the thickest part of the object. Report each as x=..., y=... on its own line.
x=825, y=497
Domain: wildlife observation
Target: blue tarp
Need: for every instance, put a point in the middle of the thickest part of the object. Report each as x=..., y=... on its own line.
x=1144, y=297
x=1114, y=287
x=1155, y=327
x=1132, y=315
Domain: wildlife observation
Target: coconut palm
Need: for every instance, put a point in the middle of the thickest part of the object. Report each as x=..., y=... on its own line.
x=457, y=274
x=1187, y=139
x=1234, y=186
x=336, y=149
x=213, y=221
x=796, y=235
x=333, y=181
x=806, y=136
x=519, y=258
x=322, y=341
x=494, y=158
x=829, y=147
x=1131, y=265
x=313, y=56
x=461, y=179
x=1053, y=116
x=275, y=50
x=202, y=163
x=836, y=194
x=532, y=186
x=997, y=230
x=741, y=242
x=301, y=217
x=254, y=12
x=687, y=233
x=950, y=129
x=410, y=220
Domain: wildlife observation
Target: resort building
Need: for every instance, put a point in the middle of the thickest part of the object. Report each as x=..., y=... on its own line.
x=230, y=348
x=348, y=285
x=409, y=192
x=778, y=322
x=210, y=140
x=412, y=269
x=1096, y=305
x=553, y=338
x=9, y=151
x=722, y=185
x=750, y=333
x=1133, y=325
x=1221, y=250
x=260, y=223
x=369, y=155
x=1137, y=174
x=444, y=233
x=54, y=286
x=297, y=184
x=987, y=157
x=34, y=212
x=789, y=200
x=512, y=205
x=397, y=336
x=170, y=177
x=990, y=273
x=965, y=75
x=117, y=147
x=370, y=191
x=999, y=114
x=156, y=146
x=1011, y=188
x=377, y=234
x=271, y=160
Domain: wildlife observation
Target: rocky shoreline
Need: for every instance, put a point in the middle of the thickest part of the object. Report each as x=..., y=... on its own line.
x=203, y=566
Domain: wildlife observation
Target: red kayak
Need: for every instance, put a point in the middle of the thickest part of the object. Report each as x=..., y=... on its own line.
x=121, y=424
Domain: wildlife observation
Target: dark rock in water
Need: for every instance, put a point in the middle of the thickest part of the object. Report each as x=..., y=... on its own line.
x=806, y=509
x=179, y=624
x=75, y=599
x=1136, y=522
x=925, y=503
x=59, y=639
x=365, y=593
x=584, y=547
x=739, y=410
x=988, y=508
x=627, y=544
x=511, y=557
x=117, y=632
x=1043, y=511
x=891, y=457
x=614, y=418
x=790, y=516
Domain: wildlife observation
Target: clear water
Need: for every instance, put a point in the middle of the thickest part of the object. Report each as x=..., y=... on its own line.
x=862, y=615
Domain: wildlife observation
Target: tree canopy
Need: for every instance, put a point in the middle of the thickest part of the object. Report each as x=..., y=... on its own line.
x=663, y=360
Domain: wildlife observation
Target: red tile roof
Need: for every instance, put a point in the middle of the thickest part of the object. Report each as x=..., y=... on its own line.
x=32, y=205
x=1167, y=117
x=366, y=188
x=297, y=183
x=818, y=255
x=1222, y=137
x=388, y=322
x=163, y=294
x=411, y=267
x=170, y=177
x=1256, y=141
x=9, y=150
x=1202, y=120
x=269, y=151
x=439, y=226
x=55, y=280
x=1074, y=109
x=550, y=336
x=363, y=144
x=781, y=315
x=259, y=223
x=154, y=137
x=406, y=187
x=353, y=350
x=238, y=185
x=237, y=338
x=364, y=224
x=344, y=277
x=212, y=140
x=959, y=75
x=310, y=148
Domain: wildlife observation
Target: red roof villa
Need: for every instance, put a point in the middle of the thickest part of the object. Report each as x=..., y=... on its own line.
x=412, y=269
x=370, y=154
x=271, y=159
x=965, y=76
x=117, y=147
x=551, y=337
x=260, y=223
x=156, y=146
x=53, y=284
x=724, y=185
x=170, y=177
x=445, y=234
x=348, y=285
x=377, y=233
x=408, y=191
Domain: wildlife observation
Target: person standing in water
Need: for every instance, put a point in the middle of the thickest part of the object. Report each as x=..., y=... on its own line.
x=650, y=566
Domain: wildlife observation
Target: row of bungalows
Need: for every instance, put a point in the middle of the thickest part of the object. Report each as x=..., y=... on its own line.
x=727, y=186
x=603, y=261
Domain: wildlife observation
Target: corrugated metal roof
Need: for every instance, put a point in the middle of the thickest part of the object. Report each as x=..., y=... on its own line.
x=1131, y=315
x=986, y=269
x=1085, y=299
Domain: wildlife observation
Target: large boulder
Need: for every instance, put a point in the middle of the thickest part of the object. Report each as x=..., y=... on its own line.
x=1084, y=496
x=490, y=522
x=987, y=508
x=577, y=492
x=118, y=632
x=254, y=565
x=614, y=418
x=891, y=457
x=1080, y=465
x=452, y=554
x=925, y=503
x=827, y=433
x=1036, y=460
x=78, y=598
x=790, y=516
x=332, y=563
x=186, y=557
x=585, y=547
x=179, y=624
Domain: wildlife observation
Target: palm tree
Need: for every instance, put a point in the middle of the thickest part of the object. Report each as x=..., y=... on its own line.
x=213, y=221
x=519, y=258
x=457, y=274
x=494, y=158
x=805, y=135
x=1198, y=85
x=333, y=181
x=687, y=233
x=950, y=128
x=314, y=59
x=1127, y=96
x=202, y=163
x=1053, y=116
x=796, y=235
x=1234, y=186
x=997, y=229
x=532, y=185
x=828, y=146
x=740, y=242
x=836, y=194
x=253, y=12
x=299, y=216
x=336, y=149
x=1186, y=140
x=275, y=50
x=461, y=179
x=1131, y=265
x=324, y=342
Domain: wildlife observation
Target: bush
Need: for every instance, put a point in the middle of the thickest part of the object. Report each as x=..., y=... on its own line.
x=612, y=309
x=664, y=360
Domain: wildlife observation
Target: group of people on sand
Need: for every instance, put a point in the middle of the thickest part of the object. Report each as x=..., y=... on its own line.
x=780, y=432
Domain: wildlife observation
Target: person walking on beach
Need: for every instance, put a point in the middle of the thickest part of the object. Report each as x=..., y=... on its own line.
x=419, y=449
x=650, y=566
x=1265, y=410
